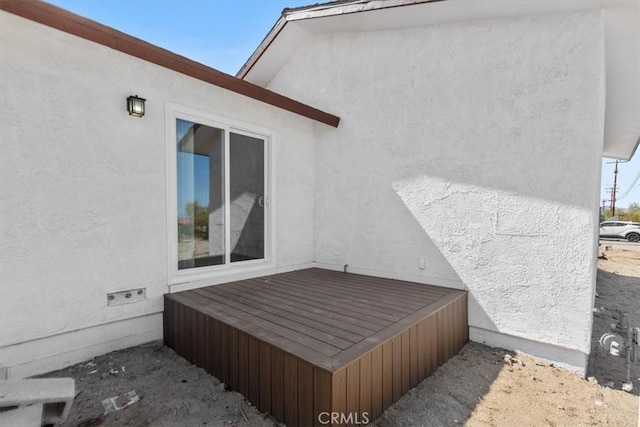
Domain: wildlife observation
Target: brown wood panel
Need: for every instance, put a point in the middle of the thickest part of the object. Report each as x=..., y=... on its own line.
x=455, y=326
x=243, y=363
x=353, y=388
x=215, y=344
x=253, y=370
x=422, y=350
x=202, y=342
x=365, y=384
x=205, y=344
x=173, y=322
x=293, y=310
x=465, y=318
x=246, y=319
x=287, y=289
x=193, y=332
x=195, y=337
x=180, y=331
x=265, y=370
x=322, y=395
x=453, y=330
x=314, y=296
x=225, y=352
x=442, y=328
x=413, y=355
x=396, y=359
x=440, y=336
x=290, y=390
x=406, y=362
x=71, y=23
x=277, y=383
x=464, y=325
x=362, y=294
x=377, y=388
x=387, y=374
x=334, y=293
x=305, y=393
x=291, y=292
x=432, y=343
x=234, y=359
x=167, y=318
x=257, y=330
x=188, y=332
x=184, y=332
x=284, y=303
x=460, y=315
x=257, y=306
x=339, y=393
x=380, y=302
x=448, y=332
x=352, y=353
x=379, y=285
x=336, y=290
x=185, y=317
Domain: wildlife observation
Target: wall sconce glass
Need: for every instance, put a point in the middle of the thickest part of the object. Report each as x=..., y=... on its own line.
x=135, y=106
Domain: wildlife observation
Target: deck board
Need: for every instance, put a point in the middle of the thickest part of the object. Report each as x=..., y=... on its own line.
x=314, y=299
x=310, y=341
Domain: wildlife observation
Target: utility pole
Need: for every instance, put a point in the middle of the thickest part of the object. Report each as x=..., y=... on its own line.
x=613, y=190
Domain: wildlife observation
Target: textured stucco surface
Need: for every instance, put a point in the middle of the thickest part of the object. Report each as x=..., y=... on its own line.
x=84, y=189
x=474, y=146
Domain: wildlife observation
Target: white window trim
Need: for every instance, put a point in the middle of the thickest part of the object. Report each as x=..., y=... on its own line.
x=234, y=270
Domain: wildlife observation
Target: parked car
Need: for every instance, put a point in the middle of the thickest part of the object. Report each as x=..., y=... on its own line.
x=621, y=230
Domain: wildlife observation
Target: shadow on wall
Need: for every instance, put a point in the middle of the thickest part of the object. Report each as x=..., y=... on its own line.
x=498, y=243
x=440, y=232
x=615, y=292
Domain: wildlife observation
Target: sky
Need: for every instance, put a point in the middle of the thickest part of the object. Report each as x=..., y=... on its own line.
x=219, y=33
x=224, y=33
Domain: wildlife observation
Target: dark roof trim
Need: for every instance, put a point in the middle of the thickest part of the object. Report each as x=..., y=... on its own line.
x=60, y=19
x=275, y=30
x=320, y=10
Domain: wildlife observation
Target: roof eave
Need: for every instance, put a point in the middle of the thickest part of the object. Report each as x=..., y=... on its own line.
x=321, y=10
x=262, y=47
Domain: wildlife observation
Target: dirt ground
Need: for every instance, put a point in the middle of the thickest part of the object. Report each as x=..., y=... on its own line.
x=618, y=288
x=481, y=386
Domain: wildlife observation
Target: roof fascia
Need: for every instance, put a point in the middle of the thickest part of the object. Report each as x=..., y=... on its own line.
x=321, y=10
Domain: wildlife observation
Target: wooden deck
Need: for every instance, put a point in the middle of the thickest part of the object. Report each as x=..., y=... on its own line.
x=311, y=341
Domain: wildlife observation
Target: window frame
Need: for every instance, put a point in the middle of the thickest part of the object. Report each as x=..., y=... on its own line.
x=178, y=276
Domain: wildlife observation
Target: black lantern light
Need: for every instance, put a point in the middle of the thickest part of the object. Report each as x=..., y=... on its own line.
x=135, y=106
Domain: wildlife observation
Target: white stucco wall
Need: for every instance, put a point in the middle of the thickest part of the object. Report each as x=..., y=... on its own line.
x=83, y=192
x=474, y=146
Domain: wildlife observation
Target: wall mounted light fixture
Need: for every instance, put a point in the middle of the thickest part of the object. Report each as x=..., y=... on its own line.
x=135, y=106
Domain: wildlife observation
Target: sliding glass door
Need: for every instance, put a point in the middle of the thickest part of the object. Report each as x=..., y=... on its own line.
x=221, y=195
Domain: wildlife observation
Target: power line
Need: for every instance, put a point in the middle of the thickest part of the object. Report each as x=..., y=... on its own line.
x=631, y=186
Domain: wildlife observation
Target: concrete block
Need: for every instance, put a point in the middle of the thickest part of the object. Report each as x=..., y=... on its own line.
x=54, y=396
x=24, y=416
